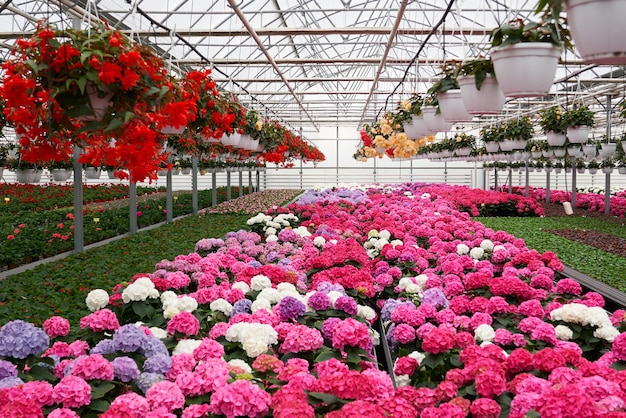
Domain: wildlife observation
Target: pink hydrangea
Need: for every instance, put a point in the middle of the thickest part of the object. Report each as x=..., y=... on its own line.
x=439, y=340
x=100, y=321
x=485, y=408
x=196, y=411
x=63, y=413
x=56, y=326
x=93, y=367
x=352, y=333
x=38, y=391
x=72, y=392
x=131, y=401
x=619, y=347
x=240, y=398
x=208, y=348
x=165, y=395
x=183, y=323
x=403, y=333
x=300, y=338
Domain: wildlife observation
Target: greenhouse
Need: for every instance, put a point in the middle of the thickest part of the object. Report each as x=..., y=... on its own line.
x=311, y=208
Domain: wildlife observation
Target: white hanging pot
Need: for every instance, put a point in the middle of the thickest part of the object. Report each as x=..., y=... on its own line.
x=574, y=151
x=608, y=149
x=435, y=122
x=486, y=101
x=171, y=130
x=492, y=146
x=589, y=150
x=506, y=145
x=92, y=173
x=519, y=143
x=419, y=125
x=607, y=170
x=547, y=153
x=525, y=69
x=452, y=107
x=598, y=30
x=621, y=170
x=536, y=154
x=578, y=134
x=409, y=130
x=559, y=152
x=60, y=174
x=555, y=139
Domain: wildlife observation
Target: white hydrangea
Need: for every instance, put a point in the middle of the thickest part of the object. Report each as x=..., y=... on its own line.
x=243, y=286
x=413, y=288
x=139, y=291
x=260, y=282
x=582, y=314
x=366, y=312
x=168, y=294
x=421, y=280
x=273, y=224
x=563, y=332
x=487, y=245
x=598, y=317
x=477, y=253
x=378, y=245
x=402, y=380
x=404, y=282
x=285, y=287
x=243, y=331
x=498, y=248
x=170, y=312
x=333, y=295
x=186, y=346
x=270, y=231
x=462, y=249
x=240, y=364
x=259, y=219
x=272, y=295
x=333, y=241
x=373, y=233
x=254, y=347
x=375, y=336
x=158, y=332
x=607, y=333
x=145, y=282
x=187, y=304
x=319, y=241
x=484, y=333
x=97, y=299
x=261, y=304
x=222, y=305
x=384, y=234
x=271, y=238
x=302, y=231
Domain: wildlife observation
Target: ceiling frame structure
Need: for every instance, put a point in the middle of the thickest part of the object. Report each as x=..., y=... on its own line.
x=313, y=63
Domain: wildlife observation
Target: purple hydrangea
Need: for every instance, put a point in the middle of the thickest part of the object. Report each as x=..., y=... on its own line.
x=159, y=363
x=7, y=369
x=327, y=287
x=10, y=382
x=254, y=263
x=241, y=306
x=290, y=308
x=346, y=304
x=129, y=338
x=19, y=339
x=319, y=301
x=391, y=305
x=153, y=346
x=435, y=297
x=406, y=257
x=207, y=245
x=328, y=327
x=103, y=347
x=125, y=369
x=146, y=380
x=272, y=256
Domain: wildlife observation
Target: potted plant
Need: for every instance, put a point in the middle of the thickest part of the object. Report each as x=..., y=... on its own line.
x=433, y=119
x=448, y=94
x=518, y=131
x=578, y=121
x=553, y=125
x=61, y=170
x=463, y=144
x=480, y=90
x=525, y=55
x=492, y=138
x=558, y=166
x=535, y=147
x=607, y=165
x=621, y=165
x=593, y=166
x=597, y=27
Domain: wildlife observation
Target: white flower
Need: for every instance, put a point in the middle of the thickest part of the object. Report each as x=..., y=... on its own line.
x=498, y=248
x=240, y=364
x=384, y=234
x=254, y=347
x=421, y=280
x=413, y=288
x=243, y=286
x=402, y=380
x=366, y=312
x=187, y=304
x=270, y=231
x=598, y=317
x=486, y=245
x=170, y=312
x=462, y=249
x=260, y=282
x=285, y=287
x=404, y=282
x=261, y=304
x=375, y=336
x=333, y=241
x=607, y=333
x=271, y=238
x=485, y=333
x=145, y=282
x=97, y=299
x=373, y=233
x=158, y=332
x=425, y=196
x=319, y=241
x=477, y=253
x=270, y=294
x=380, y=244
x=302, y=231
x=333, y=295
x=396, y=242
x=563, y=333
x=139, y=292
x=168, y=294
x=186, y=346
x=222, y=305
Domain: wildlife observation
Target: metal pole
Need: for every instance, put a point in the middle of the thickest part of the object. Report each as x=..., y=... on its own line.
x=258, y=180
x=132, y=206
x=213, y=188
x=607, y=178
x=574, y=174
x=547, y=186
x=228, y=192
x=510, y=180
x=300, y=167
x=411, y=170
x=527, y=192
x=169, y=201
x=194, y=184
x=495, y=179
x=250, y=190
x=240, y=183
x=79, y=240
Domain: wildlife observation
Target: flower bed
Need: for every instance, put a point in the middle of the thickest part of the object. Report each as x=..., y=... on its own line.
x=290, y=326
x=593, y=202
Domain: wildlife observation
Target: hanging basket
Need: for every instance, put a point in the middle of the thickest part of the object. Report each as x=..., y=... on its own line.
x=555, y=139
x=98, y=104
x=621, y=170
x=452, y=107
x=419, y=125
x=506, y=145
x=92, y=173
x=574, y=151
x=492, y=146
x=525, y=69
x=578, y=134
x=25, y=175
x=559, y=152
x=536, y=154
x=488, y=100
x=171, y=130
x=598, y=30
x=435, y=122
x=589, y=150
x=60, y=174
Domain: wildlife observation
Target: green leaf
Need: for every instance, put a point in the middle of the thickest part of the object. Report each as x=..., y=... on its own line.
x=140, y=308
x=433, y=360
x=115, y=123
x=327, y=355
x=100, y=390
x=99, y=405
x=324, y=397
x=82, y=82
